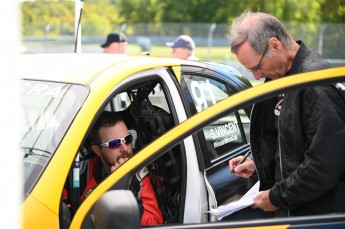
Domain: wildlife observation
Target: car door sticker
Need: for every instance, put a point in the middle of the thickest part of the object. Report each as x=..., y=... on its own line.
x=41, y=89
x=202, y=92
x=226, y=132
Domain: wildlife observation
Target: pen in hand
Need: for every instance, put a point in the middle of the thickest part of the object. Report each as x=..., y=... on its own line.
x=241, y=161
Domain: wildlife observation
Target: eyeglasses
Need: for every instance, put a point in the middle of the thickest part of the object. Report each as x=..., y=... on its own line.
x=257, y=67
x=115, y=143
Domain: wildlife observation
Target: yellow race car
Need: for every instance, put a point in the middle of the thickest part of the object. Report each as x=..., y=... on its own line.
x=62, y=96
x=188, y=118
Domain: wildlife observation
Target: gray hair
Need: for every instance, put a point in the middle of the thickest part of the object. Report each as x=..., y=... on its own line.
x=257, y=29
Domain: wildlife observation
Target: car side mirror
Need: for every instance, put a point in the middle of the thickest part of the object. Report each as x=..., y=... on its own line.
x=116, y=209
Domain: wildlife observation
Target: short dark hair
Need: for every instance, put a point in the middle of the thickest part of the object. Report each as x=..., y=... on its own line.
x=106, y=119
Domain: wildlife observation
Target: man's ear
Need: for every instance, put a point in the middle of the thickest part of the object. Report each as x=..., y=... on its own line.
x=96, y=149
x=275, y=44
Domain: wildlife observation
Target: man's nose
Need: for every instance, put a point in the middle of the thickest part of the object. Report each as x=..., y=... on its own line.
x=123, y=146
x=257, y=75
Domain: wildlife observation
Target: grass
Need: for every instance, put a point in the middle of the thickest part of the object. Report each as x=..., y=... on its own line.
x=216, y=54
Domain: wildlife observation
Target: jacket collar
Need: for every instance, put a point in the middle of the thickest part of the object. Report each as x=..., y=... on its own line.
x=302, y=54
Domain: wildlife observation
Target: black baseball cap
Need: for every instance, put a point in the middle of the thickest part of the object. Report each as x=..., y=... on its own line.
x=114, y=37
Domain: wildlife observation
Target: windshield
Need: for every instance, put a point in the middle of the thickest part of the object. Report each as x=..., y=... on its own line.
x=48, y=109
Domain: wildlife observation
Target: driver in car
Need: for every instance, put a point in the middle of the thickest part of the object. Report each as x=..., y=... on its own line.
x=111, y=142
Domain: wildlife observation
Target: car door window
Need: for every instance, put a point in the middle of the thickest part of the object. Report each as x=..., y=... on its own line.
x=227, y=133
x=245, y=123
x=205, y=91
x=220, y=140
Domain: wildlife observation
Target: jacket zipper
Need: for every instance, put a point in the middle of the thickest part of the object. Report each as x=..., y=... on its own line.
x=251, y=149
x=279, y=150
x=280, y=154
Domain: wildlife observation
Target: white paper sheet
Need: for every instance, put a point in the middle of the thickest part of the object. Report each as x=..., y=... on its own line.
x=245, y=201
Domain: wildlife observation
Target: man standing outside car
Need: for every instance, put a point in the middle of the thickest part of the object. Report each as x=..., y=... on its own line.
x=116, y=43
x=297, y=139
x=183, y=48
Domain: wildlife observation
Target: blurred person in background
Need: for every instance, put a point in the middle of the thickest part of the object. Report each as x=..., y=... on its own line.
x=183, y=48
x=116, y=43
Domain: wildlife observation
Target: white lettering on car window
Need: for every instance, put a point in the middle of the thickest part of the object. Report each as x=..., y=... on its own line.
x=224, y=130
x=225, y=141
x=41, y=90
x=225, y=133
x=201, y=92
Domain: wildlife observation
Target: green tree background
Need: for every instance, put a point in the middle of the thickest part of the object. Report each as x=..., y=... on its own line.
x=100, y=16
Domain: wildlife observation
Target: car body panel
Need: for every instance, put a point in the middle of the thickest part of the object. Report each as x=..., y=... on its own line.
x=177, y=72
x=48, y=218
x=195, y=187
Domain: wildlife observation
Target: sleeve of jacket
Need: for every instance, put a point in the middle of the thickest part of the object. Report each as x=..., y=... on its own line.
x=323, y=112
x=151, y=211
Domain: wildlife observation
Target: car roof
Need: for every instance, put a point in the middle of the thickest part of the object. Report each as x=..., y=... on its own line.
x=82, y=68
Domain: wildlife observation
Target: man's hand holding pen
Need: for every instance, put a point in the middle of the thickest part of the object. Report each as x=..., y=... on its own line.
x=242, y=166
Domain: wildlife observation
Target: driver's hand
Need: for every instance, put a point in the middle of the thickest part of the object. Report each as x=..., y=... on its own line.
x=118, y=163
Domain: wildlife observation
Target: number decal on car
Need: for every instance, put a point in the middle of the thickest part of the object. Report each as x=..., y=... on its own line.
x=201, y=90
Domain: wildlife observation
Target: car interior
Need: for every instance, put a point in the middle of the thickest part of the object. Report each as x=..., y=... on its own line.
x=147, y=116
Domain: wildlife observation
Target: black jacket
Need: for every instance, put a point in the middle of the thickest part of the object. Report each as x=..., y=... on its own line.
x=302, y=161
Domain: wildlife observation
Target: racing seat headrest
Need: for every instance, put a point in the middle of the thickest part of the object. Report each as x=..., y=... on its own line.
x=151, y=120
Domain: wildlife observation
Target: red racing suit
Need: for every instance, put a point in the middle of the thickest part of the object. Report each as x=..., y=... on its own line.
x=140, y=185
